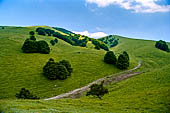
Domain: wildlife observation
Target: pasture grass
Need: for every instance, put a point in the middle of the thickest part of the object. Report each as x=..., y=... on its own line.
x=145, y=93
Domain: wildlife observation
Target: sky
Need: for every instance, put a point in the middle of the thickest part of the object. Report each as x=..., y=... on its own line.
x=142, y=19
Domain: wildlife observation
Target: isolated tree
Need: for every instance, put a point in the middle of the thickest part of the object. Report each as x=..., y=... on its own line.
x=29, y=46
x=25, y=94
x=56, y=40
x=52, y=42
x=55, y=71
x=110, y=58
x=123, y=61
x=43, y=47
x=31, y=32
x=32, y=46
x=67, y=65
x=162, y=45
x=97, y=90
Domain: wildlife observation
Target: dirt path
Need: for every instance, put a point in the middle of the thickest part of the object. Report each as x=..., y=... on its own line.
x=108, y=79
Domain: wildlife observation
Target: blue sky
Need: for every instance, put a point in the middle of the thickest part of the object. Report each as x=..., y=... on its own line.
x=144, y=19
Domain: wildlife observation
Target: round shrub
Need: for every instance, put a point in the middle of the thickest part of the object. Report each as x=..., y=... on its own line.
x=43, y=47
x=110, y=58
x=29, y=46
x=25, y=94
x=52, y=42
x=55, y=71
x=162, y=45
x=97, y=90
x=31, y=32
x=56, y=40
x=32, y=46
x=123, y=61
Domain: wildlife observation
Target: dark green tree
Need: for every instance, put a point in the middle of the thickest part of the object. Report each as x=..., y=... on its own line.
x=62, y=71
x=52, y=42
x=110, y=58
x=104, y=46
x=123, y=61
x=29, y=46
x=32, y=46
x=67, y=65
x=25, y=94
x=31, y=32
x=126, y=54
x=56, y=40
x=43, y=47
x=40, y=28
x=97, y=90
x=41, y=32
x=55, y=71
x=49, y=32
x=162, y=45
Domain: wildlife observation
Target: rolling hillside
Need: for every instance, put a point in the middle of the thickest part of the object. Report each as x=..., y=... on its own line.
x=19, y=69
x=145, y=93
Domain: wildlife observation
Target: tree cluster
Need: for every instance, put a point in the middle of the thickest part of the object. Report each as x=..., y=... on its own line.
x=32, y=46
x=97, y=90
x=72, y=38
x=162, y=45
x=43, y=31
x=110, y=40
x=100, y=44
x=122, y=62
x=25, y=94
x=63, y=37
x=57, y=70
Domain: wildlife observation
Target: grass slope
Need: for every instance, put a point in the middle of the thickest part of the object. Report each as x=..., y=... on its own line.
x=145, y=93
x=19, y=70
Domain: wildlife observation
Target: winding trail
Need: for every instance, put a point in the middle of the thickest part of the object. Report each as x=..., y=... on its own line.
x=108, y=79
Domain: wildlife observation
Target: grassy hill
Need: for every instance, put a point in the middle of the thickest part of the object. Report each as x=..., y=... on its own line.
x=145, y=93
x=19, y=69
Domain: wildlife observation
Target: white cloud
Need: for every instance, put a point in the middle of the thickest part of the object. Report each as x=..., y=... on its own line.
x=92, y=35
x=142, y=6
x=98, y=35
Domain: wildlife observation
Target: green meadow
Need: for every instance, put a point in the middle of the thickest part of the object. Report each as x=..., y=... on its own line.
x=20, y=69
x=145, y=93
